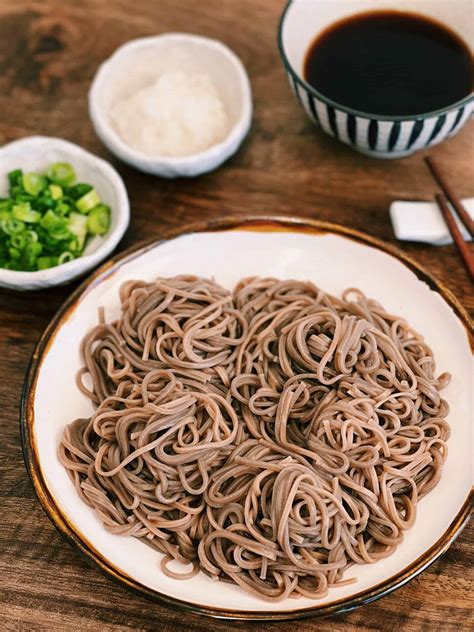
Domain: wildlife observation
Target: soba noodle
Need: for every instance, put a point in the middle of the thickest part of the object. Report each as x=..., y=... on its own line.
x=272, y=437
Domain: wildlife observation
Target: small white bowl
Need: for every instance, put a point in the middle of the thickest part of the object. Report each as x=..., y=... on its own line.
x=154, y=55
x=36, y=153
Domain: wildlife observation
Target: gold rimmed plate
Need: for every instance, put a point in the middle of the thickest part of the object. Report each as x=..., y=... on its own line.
x=333, y=258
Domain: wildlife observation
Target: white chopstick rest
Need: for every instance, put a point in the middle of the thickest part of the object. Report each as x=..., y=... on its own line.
x=422, y=221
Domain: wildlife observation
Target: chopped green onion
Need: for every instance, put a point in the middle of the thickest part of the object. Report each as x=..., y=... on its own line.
x=61, y=173
x=79, y=190
x=47, y=218
x=12, y=226
x=88, y=201
x=31, y=236
x=60, y=233
x=15, y=178
x=46, y=262
x=25, y=213
x=77, y=225
x=44, y=203
x=31, y=253
x=53, y=223
x=98, y=221
x=65, y=257
x=63, y=208
x=74, y=246
x=56, y=191
x=33, y=183
x=18, y=241
x=13, y=265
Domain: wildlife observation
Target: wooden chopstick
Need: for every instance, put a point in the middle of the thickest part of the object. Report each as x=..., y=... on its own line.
x=462, y=247
x=451, y=195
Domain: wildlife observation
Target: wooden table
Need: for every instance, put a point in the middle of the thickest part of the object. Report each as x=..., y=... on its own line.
x=49, y=51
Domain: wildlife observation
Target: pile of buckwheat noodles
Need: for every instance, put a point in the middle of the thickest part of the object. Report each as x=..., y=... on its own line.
x=272, y=436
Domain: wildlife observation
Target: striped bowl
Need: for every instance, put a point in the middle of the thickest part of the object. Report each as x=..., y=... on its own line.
x=371, y=134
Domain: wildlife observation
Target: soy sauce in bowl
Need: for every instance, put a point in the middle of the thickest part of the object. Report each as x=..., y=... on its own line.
x=390, y=63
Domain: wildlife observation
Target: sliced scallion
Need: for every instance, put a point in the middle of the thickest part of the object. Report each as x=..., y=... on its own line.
x=88, y=201
x=56, y=191
x=65, y=256
x=61, y=173
x=47, y=218
x=98, y=222
x=25, y=213
x=12, y=226
x=33, y=183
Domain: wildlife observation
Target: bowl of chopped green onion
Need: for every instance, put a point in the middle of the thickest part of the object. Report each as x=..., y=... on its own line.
x=62, y=211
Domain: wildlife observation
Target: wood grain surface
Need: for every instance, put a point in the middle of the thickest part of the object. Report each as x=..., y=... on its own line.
x=49, y=51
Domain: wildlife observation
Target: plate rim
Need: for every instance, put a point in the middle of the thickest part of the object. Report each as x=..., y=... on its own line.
x=254, y=223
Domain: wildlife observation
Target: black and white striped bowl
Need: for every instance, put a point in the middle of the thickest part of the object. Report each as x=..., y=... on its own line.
x=371, y=134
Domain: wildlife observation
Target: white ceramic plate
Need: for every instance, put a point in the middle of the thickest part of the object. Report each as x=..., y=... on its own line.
x=333, y=258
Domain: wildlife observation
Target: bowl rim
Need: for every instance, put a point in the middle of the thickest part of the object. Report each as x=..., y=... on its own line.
x=20, y=278
x=348, y=110
x=72, y=533
x=236, y=133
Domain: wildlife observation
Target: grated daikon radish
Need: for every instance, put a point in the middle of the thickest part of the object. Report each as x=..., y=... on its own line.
x=179, y=114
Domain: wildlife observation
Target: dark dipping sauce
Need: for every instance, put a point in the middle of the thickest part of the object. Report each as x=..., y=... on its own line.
x=390, y=63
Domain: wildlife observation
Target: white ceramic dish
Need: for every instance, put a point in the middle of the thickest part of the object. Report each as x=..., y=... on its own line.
x=36, y=153
x=168, y=52
x=333, y=258
x=423, y=221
